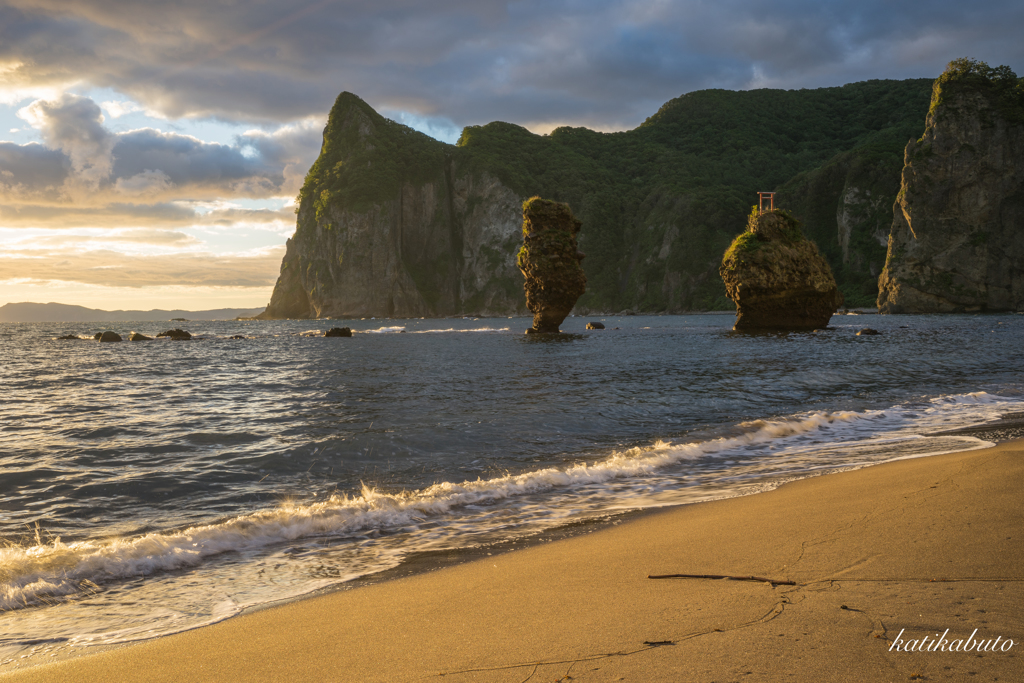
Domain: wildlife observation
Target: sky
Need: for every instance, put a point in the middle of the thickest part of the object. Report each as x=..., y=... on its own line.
x=150, y=153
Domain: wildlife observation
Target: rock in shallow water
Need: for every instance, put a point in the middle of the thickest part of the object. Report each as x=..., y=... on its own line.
x=139, y=337
x=550, y=262
x=338, y=332
x=777, y=278
x=108, y=336
x=176, y=334
x=595, y=326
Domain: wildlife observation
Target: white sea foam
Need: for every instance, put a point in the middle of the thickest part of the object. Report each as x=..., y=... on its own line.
x=41, y=572
x=452, y=329
x=384, y=330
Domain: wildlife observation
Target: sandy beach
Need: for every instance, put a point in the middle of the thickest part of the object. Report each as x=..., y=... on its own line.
x=883, y=559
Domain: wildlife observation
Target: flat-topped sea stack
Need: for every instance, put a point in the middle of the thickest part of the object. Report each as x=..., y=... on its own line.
x=957, y=239
x=550, y=262
x=777, y=278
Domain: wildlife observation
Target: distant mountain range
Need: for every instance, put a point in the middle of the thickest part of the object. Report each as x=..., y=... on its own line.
x=28, y=312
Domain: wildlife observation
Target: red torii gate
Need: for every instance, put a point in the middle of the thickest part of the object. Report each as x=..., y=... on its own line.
x=770, y=196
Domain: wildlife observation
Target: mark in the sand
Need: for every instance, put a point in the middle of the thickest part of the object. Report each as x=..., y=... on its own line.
x=760, y=579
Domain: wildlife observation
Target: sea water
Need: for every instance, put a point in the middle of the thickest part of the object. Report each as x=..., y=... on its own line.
x=152, y=487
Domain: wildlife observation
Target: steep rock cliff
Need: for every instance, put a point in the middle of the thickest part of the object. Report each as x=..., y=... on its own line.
x=957, y=240
x=388, y=226
x=392, y=222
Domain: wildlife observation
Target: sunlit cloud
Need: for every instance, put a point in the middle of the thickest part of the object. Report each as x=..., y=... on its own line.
x=114, y=268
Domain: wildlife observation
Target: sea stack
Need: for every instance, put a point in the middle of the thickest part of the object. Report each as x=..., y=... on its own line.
x=550, y=262
x=956, y=241
x=777, y=278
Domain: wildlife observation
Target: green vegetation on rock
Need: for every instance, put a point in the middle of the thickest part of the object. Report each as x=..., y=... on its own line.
x=660, y=203
x=954, y=243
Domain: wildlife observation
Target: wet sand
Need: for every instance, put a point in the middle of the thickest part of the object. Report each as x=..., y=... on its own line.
x=914, y=546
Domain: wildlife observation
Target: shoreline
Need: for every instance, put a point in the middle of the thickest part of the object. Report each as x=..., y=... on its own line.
x=847, y=537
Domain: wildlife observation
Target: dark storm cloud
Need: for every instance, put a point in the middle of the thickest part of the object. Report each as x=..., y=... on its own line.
x=603, y=62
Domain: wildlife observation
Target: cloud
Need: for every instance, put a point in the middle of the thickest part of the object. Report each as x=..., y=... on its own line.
x=110, y=268
x=30, y=171
x=608, y=63
x=74, y=125
x=85, y=172
x=117, y=109
x=80, y=241
x=145, y=183
x=291, y=148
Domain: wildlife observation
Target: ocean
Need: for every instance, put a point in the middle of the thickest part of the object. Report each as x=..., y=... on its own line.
x=151, y=487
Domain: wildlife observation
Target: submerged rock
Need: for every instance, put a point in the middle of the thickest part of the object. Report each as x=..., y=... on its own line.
x=550, y=262
x=955, y=244
x=338, y=332
x=176, y=334
x=108, y=336
x=69, y=336
x=868, y=331
x=139, y=337
x=777, y=278
x=595, y=326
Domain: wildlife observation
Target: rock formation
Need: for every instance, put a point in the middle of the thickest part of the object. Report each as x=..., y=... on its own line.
x=777, y=278
x=393, y=223
x=176, y=334
x=138, y=336
x=108, y=336
x=550, y=261
x=957, y=239
x=339, y=332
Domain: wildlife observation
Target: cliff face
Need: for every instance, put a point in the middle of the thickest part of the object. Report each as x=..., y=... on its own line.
x=957, y=239
x=393, y=223
x=389, y=226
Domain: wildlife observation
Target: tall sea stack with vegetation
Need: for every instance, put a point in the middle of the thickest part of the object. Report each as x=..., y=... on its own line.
x=957, y=241
x=550, y=262
x=391, y=222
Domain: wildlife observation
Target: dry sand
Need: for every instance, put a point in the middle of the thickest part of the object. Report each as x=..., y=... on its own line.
x=916, y=545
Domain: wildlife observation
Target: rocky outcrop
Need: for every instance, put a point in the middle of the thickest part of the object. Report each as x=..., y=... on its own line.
x=390, y=224
x=108, y=336
x=957, y=239
x=339, y=332
x=550, y=262
x=777, y=278
x=138, y=336
x=176, y=334
x=393, y=223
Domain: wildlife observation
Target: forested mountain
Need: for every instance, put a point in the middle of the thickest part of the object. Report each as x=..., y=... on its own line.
x=392, y=222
